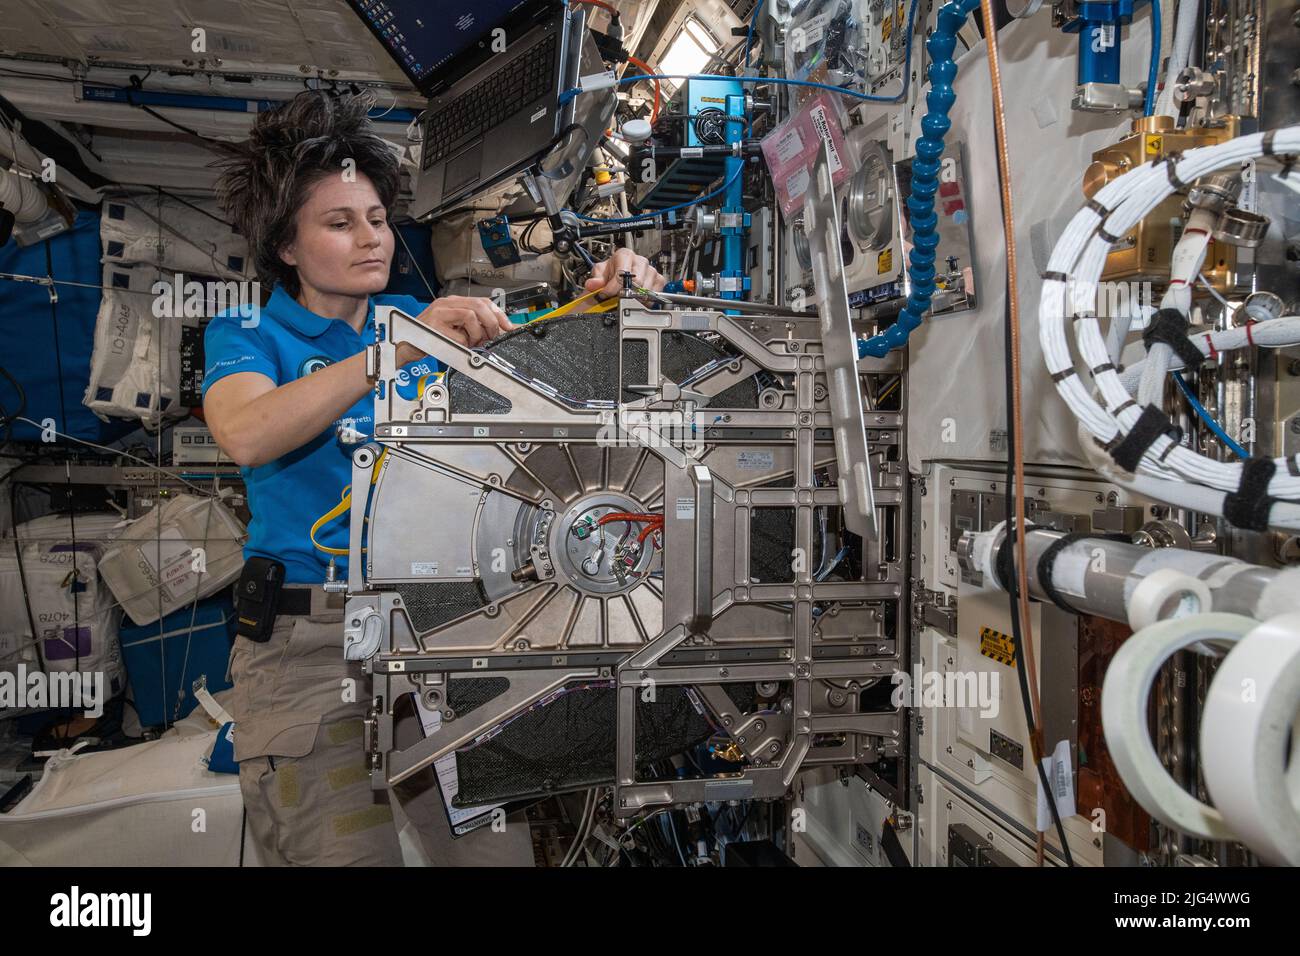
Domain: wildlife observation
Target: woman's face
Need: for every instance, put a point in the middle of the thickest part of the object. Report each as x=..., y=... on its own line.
x=343, y=245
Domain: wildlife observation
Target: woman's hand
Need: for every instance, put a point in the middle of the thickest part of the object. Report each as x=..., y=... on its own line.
x=471, y=321
x=607, y=277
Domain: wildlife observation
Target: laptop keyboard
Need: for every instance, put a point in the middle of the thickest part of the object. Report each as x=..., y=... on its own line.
x=490, y=102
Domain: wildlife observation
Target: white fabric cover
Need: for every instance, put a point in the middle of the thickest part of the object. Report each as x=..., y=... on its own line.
x=135, y=365
x=153, y=568
x=171, y=236
x=47, y=562
x=136, y=806
x=956, y=361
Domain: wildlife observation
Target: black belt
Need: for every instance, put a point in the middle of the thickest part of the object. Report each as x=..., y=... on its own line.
x=294, y=602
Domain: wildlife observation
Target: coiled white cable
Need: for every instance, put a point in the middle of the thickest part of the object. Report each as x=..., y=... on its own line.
x=1079, y=257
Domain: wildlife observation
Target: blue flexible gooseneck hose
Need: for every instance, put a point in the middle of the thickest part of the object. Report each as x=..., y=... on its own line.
x=925, y=179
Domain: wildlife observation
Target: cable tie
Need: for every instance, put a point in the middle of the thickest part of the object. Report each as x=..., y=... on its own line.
x=1149, y=427
x=1248, y=507
x=1172, y=176
x=1169, y=326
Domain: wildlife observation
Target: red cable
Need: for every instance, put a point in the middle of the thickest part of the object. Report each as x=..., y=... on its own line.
x=637, y=516
x=599, y=3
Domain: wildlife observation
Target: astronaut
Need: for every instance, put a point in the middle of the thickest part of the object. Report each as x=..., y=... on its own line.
x=312, y=189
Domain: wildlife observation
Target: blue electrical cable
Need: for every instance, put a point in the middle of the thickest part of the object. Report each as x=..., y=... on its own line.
x=925, y=179
x=749, y=35
x=568, y=95
x=1153, y=72
x=1210, y=423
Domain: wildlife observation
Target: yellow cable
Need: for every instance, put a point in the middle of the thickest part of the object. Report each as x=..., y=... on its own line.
x=576, y=306
x=344, y=505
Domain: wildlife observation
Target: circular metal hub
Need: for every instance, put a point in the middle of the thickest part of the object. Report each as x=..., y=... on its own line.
x=595, y=556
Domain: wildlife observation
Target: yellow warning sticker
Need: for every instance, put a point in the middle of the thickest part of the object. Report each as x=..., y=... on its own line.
x=1154, y=144
x=998, y=646
x=886, y=27
x=884, y=261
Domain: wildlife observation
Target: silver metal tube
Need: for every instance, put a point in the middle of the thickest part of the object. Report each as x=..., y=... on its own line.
x=1099, y=576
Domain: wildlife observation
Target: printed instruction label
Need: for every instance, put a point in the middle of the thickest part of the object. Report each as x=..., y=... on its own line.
x=686, y=509
x=789, y=146
x=1061, y=778
x=424, y=569
x=755, y=460
x=822, y=123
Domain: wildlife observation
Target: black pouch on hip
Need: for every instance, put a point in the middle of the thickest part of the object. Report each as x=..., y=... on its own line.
x=257, y=598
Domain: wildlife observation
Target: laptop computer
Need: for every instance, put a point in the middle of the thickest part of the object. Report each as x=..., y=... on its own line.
x=493, y=96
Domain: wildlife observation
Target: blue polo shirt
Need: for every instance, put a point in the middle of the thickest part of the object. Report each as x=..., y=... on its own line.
x=287, y=495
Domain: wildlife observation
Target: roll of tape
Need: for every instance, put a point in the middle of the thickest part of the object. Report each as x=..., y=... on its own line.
x=1157, y=588
x=1281, y=595
x=1249, y=721
x=1124, y=697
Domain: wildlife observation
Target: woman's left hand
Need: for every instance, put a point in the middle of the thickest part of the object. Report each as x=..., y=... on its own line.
x=607, y=277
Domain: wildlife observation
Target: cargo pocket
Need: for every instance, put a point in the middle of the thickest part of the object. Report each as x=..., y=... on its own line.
x=256, y=670
x=315, y=675
x=276, y=735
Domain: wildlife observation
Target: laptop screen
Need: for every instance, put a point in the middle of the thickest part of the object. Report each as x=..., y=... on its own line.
x=424, y=36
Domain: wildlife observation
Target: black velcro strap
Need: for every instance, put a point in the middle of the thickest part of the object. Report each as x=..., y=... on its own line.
x=1249, y=505
x=1170, y=327
x=1266, y=144
x=1107, y=236
x=1150, y=426
x=1004, y=561
x=1170, y=174
x=1103, y=367
x=1055, y=277
x=1047, y=560
x=1062, y=375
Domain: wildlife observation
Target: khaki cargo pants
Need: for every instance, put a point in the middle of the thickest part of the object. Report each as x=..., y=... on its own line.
x=298, y=709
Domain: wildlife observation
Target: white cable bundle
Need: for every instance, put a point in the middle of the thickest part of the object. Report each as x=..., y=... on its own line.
x=1079, y=257
x=1276, y=333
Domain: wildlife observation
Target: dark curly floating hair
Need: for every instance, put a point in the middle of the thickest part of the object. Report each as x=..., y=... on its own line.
x=264, y=180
